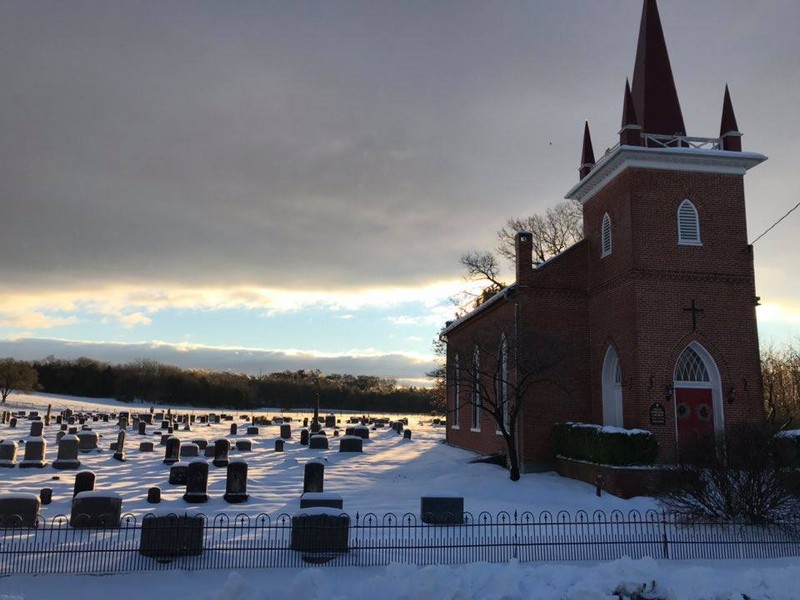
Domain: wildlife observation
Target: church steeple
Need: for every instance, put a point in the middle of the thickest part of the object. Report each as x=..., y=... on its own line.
x=630, y=134
x=728, y=129
x=655, y=98
x=587, y=156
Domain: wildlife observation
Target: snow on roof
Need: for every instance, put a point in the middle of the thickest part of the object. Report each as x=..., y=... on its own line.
x=476, y=311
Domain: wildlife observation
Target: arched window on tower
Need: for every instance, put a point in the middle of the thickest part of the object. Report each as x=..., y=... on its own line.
x=605, y=235
x=688, y=225
x=502, y=383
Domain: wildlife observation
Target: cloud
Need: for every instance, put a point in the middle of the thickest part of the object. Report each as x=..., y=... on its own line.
x=33, y=320
x=400, y=365
x=134, y=319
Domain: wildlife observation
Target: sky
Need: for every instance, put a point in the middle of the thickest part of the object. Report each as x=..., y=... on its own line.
x=258, y=186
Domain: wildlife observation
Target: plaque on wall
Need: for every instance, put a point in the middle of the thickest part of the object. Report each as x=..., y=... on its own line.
x=658, y=415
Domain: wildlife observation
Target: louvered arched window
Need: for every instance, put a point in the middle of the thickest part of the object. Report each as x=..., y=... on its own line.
x=605, y=235
x=688, y=225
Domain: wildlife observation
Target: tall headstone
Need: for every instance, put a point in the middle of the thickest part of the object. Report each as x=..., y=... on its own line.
x=67, y=453
x=279, y=445
x=197, y=482
x=236, y=482
x=120, y=453
x=142, y=428
x=286, y=431
x=313, y=476
x=304, y=437
x=8, y=454
x=34, y=454
x=84, y=482
x=233, y=428
x=172, y=452
x=221, y=449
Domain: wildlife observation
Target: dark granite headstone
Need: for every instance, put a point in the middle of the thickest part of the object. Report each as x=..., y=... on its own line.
x=320, y=530
x=318, y=442
x=314, y=477
x=84, y=482
x=171, y=536
x=8, y=454
x=286, y=431
x=120, y=449
x=351, y=443
x=221, y=449
x=304, y=437
x=197, y=482
x=96, y=510
x=34, y=457
x=19, y=510
x=67, y=453
x=236, y=482
x=154, y=495
x=172, y=452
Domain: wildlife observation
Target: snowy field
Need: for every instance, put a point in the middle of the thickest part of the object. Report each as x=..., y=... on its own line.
x=390, y=476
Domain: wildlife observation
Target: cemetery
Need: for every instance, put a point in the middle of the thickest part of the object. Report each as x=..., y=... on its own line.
x=116, y=488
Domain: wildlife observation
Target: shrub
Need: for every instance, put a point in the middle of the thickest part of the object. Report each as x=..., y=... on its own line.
x=740, y=480
x=605, y=445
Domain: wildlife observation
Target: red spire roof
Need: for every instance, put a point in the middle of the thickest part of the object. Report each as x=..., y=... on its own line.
x=728, y=123
x=655, y=98
x=587, y=156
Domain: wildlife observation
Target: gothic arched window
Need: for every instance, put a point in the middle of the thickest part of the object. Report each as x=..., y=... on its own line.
x=688, y=225
x=456, y=392
x=476, y=391
x=605, y=235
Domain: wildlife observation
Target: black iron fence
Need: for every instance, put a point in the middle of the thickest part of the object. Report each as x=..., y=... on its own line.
x=327, y=537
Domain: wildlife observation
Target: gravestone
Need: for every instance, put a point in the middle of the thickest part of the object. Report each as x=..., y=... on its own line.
x=189, y=451
x=87, y=440
x=252, y=431
x=221, y=449
x=305, y=422
x=234, y=428
x=96, y=510
x=320, y=530
x=142, y=428
x=67, y=453
x=146, y=447
x=318, y=442
x=34, y=454
x=19, y=510
x=351, y=443
x=12, y=423
x=336, y=433
x=236, y=482
x=164, y=438
x=154, y=495
x=46, y=495
x=120, y=450
x=201, y=444
x=178, y=474
x=286, y=431
x=330, y=421
x=304, y=437
x=406, y=434
x=61, y=434
x=279, y=445
x=8, y=454
x=442, y=508
x=84, y=482
x=172, y=451
x=164, y=425
x=321, y=499
x=197, y=482
x=171, y=536
x=313, y=476
x=361, y=431
x=36, y=429
x=244, y=445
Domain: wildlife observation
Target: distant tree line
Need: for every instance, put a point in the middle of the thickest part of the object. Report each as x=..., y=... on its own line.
x=156, y=383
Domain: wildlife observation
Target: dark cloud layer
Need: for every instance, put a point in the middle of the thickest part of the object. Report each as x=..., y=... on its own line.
x=337, y=143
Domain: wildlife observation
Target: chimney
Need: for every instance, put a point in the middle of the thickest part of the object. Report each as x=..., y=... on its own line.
x=524, y=253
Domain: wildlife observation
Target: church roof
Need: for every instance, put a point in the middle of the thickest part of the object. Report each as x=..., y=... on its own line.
x=655, y=98
x=587, y=156
x=728, y=123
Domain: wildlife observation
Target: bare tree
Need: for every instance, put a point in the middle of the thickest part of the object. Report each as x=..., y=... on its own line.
x=495, y=378
x=16, y=375
x=557, y=229
x=780, y=372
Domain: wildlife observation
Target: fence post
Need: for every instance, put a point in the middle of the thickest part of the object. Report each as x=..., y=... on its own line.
x=665, y=544
x=516, y=536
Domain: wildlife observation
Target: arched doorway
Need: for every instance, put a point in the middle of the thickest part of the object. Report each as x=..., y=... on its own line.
x=698, y=398
x=612, y=389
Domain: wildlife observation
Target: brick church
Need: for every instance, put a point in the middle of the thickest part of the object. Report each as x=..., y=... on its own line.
x=648, y=322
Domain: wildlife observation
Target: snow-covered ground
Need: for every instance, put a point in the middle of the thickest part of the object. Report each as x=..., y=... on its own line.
x=390, y=476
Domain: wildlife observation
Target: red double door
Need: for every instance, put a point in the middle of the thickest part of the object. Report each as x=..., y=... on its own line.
x=695, y=411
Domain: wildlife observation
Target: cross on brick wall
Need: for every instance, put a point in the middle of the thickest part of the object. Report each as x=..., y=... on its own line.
x=695, y=311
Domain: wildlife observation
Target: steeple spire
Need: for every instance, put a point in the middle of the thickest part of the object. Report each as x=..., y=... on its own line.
x=728, y=129
x=630, y=133
x=654, y=95
x=587, y=156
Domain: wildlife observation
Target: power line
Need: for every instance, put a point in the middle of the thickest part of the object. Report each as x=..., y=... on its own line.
x=771, y=227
